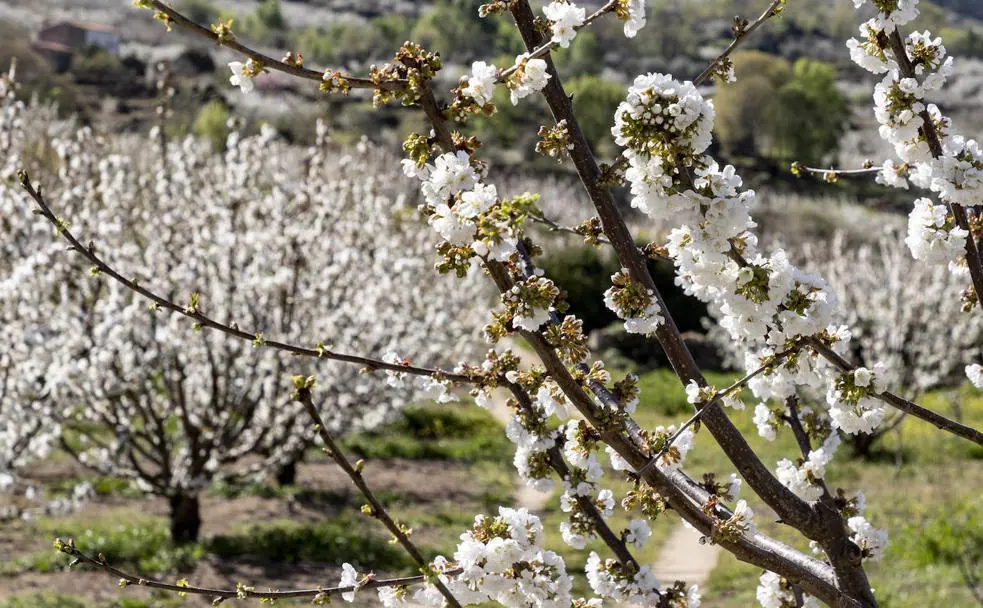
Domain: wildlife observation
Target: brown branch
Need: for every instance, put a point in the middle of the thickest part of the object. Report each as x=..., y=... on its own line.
x=266, y=61
x=78, y=557
x=774, y=9
x=790, y=508
x=909, y=407
x=354, y=472
x=207, y=322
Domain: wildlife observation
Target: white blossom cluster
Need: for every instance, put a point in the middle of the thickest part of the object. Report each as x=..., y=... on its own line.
x=531, y=77
x=451, y=179
x=503, y=561
x=481, y=83
x=300, y=245
x=565, y=17
x=954, y=173
x=638, y=307
x=607, y=578
x=763, y=302
x=872, y=541
x=776, y=592
x=801, y=478
x=852, y=405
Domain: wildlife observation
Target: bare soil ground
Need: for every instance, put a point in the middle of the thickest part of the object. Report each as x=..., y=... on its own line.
x=421, y=483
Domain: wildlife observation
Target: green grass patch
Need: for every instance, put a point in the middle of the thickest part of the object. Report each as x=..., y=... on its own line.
x=344, y=537
x=436, y=432
x=144, y=547
x=663, y=394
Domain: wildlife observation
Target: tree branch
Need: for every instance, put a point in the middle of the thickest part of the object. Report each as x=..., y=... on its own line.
x=909, y=407
x=100, y=562
x=180, y=20
x=790, y=508
x=772, y=10
x=973, y=257
x=355, y=474
x=321, y=352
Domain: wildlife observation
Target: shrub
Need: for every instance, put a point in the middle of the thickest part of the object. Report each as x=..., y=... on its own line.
x=211, y=124
x=435, y=433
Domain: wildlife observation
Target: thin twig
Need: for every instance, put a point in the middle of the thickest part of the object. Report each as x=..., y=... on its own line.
x=354, y=472
x=717, y=396
x=910, y=407
x=268, y=62
x=839, y=172
x=771, y=11
x=68, y=547
x=207, y=322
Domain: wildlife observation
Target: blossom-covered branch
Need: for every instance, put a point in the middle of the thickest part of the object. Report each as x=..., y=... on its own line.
x=909, y=407
x=666, y=332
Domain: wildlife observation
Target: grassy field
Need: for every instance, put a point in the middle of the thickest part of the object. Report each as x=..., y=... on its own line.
x=436, y=467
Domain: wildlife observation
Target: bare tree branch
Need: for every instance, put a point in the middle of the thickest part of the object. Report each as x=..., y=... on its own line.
x=354, y=472
x=78, y=557
x=192, y=312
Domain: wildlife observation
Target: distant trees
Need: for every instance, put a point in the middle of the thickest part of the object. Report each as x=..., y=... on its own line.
x=152, y=397
x=779, y=110
x=595, y=100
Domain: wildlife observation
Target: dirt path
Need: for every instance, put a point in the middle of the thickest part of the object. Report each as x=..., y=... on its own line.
x=683, y=558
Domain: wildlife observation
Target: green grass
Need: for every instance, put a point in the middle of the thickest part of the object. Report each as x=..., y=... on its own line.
x=444, y=432
x=344, y=537
x=663, y=395
x=143, y=546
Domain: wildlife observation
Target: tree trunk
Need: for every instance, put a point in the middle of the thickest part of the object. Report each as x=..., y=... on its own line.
x=185, y=518
x=286, y=475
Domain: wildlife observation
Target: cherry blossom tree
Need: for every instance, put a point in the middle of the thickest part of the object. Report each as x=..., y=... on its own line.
x=784, y=317
x=147, y=397
x=28, y=420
